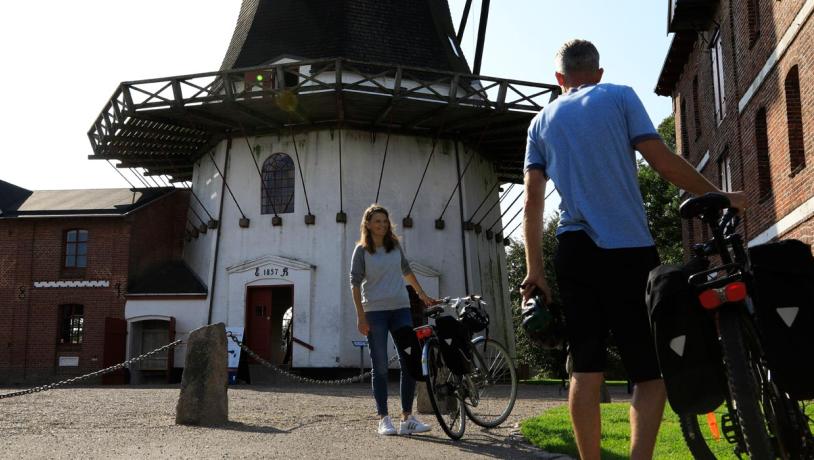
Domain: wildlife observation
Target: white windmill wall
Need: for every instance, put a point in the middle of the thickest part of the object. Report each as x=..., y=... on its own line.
x=324, y=315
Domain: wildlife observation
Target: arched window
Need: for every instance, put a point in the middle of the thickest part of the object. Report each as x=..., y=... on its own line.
x=794, y=117
x=71, y=324
x=685, y=138
x=695, y=108
x=753, y=20
x=764, y=177
x=277, y=189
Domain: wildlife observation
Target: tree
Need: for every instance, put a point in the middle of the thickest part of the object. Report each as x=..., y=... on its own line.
x=661, y=201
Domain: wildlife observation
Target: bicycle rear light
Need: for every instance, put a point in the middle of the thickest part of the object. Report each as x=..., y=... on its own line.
x=710, y=299
x=735, y=292
x=423, y=332
x=714, y=298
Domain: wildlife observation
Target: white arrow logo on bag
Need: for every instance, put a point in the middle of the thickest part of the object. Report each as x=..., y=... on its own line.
x=408, y=349
x=677, y=345
x=788, y=314
x=448, y=341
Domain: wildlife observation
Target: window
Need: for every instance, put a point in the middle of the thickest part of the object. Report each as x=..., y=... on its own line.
x=717, y=54
x=764, y=177
x=71, y=324
x=753, y=13
x=794, y=117
x=725, y=172
x=76, y=249
x=685, y=138
x=277, y=189
x=696, y=113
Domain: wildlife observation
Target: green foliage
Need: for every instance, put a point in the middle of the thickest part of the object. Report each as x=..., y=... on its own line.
x=667, y=130
x=552, y=432
x=550, y=362
x=661, y=202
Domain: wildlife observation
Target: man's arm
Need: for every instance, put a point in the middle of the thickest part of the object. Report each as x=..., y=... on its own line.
x=533, y=211
x=678, y=171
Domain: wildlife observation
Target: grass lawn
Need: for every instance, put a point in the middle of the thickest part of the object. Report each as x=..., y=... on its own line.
x=552, y=432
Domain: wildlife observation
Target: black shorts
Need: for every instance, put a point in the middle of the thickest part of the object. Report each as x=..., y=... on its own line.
x=603, y=290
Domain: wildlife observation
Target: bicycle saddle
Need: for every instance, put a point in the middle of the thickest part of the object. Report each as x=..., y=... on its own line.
x=703, y=205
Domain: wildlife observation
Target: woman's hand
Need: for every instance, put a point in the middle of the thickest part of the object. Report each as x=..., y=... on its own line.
x=361, y=324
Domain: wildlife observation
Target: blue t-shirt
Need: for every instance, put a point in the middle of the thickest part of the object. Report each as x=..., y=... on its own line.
x=583, y=141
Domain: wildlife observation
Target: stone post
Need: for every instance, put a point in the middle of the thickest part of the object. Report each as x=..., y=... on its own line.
x=423, y=398
x=203, y=399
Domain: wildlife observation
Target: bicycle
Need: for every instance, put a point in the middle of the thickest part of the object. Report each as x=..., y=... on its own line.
x=762, y=420
x=466, y=377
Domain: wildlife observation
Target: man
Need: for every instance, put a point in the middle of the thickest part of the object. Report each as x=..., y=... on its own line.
x=584, y=141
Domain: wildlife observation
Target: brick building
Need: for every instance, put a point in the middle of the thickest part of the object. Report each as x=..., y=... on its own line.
x=67, y=259
x=741, y=79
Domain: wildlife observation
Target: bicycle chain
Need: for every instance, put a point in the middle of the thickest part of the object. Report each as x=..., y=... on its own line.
x=104, y=371
x=299, y=378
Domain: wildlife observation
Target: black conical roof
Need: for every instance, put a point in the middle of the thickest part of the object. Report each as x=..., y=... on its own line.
x=417, y=33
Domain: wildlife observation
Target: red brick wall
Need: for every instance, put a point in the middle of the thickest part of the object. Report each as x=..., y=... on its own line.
x=743, y=59
x=158, y=232
x=33, y=249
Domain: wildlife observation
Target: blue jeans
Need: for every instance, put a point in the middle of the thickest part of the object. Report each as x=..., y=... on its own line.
x=382, y=322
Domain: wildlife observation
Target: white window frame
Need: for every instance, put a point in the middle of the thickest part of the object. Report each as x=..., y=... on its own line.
x=725, y=167
x=716, y=56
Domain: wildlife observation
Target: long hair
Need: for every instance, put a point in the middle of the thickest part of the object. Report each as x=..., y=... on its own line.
x=366, y=239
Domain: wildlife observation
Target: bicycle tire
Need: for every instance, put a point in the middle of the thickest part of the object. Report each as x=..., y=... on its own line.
x=484, y=410
x=694, y=438
x=743, y=386
x=442, y=388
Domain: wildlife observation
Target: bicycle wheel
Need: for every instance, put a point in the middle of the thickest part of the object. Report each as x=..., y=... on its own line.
x=745, y=382
x=694, y=437
x=790, y=423
x=443, y=388
x=494, y=384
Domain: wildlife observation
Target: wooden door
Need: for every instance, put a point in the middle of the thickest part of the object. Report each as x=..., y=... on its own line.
x=258, y=321
x=115, y=350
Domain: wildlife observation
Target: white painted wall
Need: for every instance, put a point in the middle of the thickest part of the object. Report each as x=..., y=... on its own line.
x=189, y=315
x=324, y=314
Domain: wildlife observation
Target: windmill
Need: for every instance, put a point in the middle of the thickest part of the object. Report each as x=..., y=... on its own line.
x=320, y=108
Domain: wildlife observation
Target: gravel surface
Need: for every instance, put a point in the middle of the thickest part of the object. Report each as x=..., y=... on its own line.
x=280, y=421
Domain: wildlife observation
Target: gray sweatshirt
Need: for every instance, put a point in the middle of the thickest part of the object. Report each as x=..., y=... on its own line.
x=380, y=277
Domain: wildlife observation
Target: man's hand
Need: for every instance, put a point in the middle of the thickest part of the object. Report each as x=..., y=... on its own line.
x=428, y=301
x=737, y=200
x=533, y=281
x=361, y=324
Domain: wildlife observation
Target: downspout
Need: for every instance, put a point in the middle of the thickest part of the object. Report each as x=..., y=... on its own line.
x=28, y=308
x=220, y=226
x=461, y=209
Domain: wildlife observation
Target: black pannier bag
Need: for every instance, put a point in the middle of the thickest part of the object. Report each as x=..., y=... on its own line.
x=686, y=342
x=454, y=341
x=407, y=342
x=783, y=295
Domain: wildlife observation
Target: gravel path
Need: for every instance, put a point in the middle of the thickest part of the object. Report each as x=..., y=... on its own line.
x=280, y=421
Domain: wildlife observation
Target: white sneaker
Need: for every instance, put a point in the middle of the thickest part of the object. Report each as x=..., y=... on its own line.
x=386, y=427
x=412, y=425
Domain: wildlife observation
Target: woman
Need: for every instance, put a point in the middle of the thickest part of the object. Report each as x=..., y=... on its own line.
x=378, y=272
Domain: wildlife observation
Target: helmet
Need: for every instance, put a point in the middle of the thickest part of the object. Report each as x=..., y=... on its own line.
x=474, y=316
x=543, y=324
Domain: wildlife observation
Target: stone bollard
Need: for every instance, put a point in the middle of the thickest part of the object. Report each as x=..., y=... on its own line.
x=203, y=399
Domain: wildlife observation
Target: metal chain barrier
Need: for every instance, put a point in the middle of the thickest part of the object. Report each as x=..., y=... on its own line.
x=104, y=371
x=299, y=378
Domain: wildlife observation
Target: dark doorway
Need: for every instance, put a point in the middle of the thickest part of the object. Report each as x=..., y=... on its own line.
x=265, y=308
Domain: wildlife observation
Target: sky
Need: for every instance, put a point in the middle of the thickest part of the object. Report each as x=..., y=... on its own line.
x=65, y=59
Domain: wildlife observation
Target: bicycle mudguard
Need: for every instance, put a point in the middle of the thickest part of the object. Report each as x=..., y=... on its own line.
x=686, y=343
x=410, y=350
